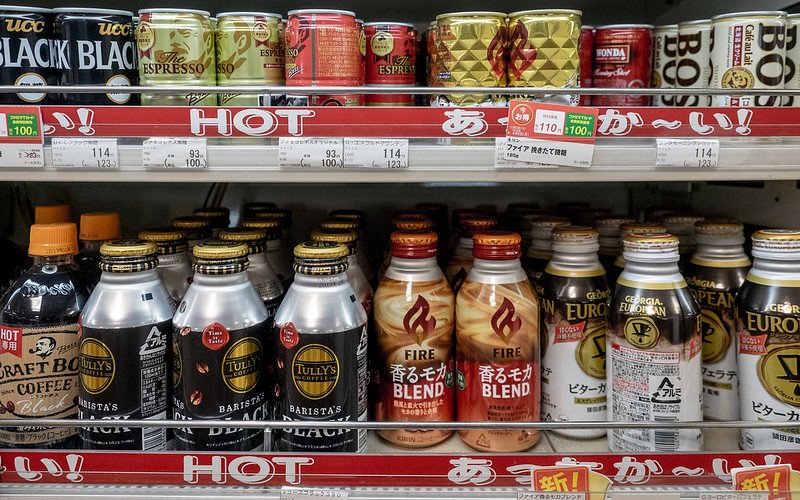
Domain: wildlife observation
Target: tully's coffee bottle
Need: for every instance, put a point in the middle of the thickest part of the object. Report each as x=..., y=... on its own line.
x=460, y=264
x=608, y=229
x=540, y=252
x=654, y=350
x=196, y=229
x=218, y=217
x=638, y=228
x=321, y=332
x=39, y=329
x=174, y=267
x=260, y=271
x=575, y=320
x=123, y=350
x=768, y=322
x=284, y=219
x=95, y=229
x=355, y=275
x=52, y=214
x=250, y=209
x=414, y=320
x=497, y=343
x=220, y=336
x=682, y=226
x=714, y=274
x=352, y=224
x=280, y=261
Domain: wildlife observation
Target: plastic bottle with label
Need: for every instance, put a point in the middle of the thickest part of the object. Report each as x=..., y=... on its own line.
x=174, y=267
x=95, y=229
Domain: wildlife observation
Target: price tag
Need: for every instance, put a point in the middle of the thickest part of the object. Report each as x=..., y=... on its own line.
x=88, y=153
x=295, y=493
x=774, y=480
x=174, y=152
x=689, y=153
x=311, y=152
x=541, y=495
x=550, y=134
x=21, y=136
x=500, y=162
x=375, y=153
x=738, y=495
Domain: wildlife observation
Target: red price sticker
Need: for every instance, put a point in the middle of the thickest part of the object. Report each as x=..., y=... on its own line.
x=561, y=479
x=774, y=479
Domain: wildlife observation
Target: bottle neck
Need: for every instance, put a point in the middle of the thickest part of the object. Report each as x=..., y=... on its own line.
x=324, y=281
x=720, y=252
x=129, y=278
x=643, y=271
x=90, y=245
x=414, y=269
x=496, y=271
x=583, y=261
x=53, y=260
x=775, y=269
x=220, y=279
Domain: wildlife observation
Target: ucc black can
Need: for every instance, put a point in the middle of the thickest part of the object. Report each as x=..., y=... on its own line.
x=94, y=47
x=25, y=56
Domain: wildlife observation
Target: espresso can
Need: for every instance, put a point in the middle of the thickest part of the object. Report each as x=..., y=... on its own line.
x=694, y=61
x=95, y=47
x=391, y=60
x=586, y=52
x=665, y=61
x=622, y=59
x=26, y=53
x=748, y=51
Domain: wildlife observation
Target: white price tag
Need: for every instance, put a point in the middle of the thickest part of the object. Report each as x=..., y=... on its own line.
x=644, y=495
x=87, y=153
x=21, y=155
x=542, y=495
x=174, y=152
x=567, y=154
x=688, y=153
x=548, y=121
x=295, y=493
x=735, y=495
x=310, y=152
x=375, y=153
x=500, y=162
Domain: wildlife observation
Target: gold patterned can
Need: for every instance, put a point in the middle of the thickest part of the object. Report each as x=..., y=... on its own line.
x=249, y=52
x=176, y=48
x=543, y=48
x=470, y=52
x=430, y=42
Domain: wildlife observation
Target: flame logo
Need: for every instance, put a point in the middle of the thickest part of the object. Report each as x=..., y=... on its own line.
x=521, y=56
x=504, y=324
x=423, y=324
x=495, y=52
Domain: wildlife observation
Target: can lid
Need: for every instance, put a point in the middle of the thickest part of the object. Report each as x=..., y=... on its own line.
x=282, y=215
x=162, y=235
x=20, y=8
x=220, y=250
x=49, y=214
x=89, y=10
x=496, y=245
x=587, y=27
x=624, y=26
x=322, y=11
x=99, y=226
x=696, y=22
x=128, y=248
x=546, y=12
x=754, y=13
x=336, y=223
x=245, y=234
x=575, y=235
x=477, y=13
x=174, y=11
x=664, y=27
x=49, y=240
x=335, y=236
x=651, y=243
x=777, y=239
x=610, y=224
x=248, y=14
x=322, y=250
x=360, y=21
x=409, y=244
x=412, y=224
x=388, y=23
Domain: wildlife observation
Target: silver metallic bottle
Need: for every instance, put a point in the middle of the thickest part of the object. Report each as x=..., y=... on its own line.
x=355, y=274
x=196, y=229
x=321, y=333
x=341, y=223
x=220, y=344
x=123, y=350
x=280, y=260
x=173, y=268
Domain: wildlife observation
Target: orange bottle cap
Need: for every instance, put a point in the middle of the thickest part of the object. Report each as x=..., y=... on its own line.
x=49, y=240
x=50, y=214
x=100, y=226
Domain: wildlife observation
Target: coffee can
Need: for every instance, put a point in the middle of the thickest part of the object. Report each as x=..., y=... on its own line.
x=391, y=60
x=26, y=53
x=622, y=59
x=665, y=61
x=586, y=52
x=694, y=61
x=791, y=77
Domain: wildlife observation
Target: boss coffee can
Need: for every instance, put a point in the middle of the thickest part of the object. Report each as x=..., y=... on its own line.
x=694, y=61
x=95, y=47
x=791, y=77
x=665, y=53
x=25, y=55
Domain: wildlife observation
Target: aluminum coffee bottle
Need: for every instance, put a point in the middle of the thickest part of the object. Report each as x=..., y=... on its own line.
x=355, y=274
x=260, y=271
x=682, y=226
x=403, y=223
x=714, y=274
x=218, y=217
x=540, y=252
x=343, y=222
x=768, y=321
x=574, y=324
x=197, y=229
x=279, y=260
x=497, y=344
x=608, y=229
x=321, y=345
x=640, y=228
x=173, y=268
x=220, y=344
x=654, y=350
x=414, y=320
x=123, y=350
x=284, y=243
x=460, y=264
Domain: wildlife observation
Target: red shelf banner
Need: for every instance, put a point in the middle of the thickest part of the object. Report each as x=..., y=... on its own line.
x=143, y=121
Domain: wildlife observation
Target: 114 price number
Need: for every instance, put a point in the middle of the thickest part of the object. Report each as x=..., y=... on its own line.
x=705, y=157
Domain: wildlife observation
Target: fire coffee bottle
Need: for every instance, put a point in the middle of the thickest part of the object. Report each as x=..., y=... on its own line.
x=174, y=268
x=768, y=321
x=639, y=228
x=460, y=264
x=540, y=252
x=123, y=350
x=343, y=223
x=39, y=326
x=321, y=353
x=355, y=275
x=95, y=229
x=403, y=223
x=277, y=258
x=196, y=229
x=218, y=217
x=414, y=320
x=220, y=341
x=653, y=359
x=608, y=228
x=497, y=341
x=575, y=321
x=714, y=274
x=682, y=226
x=260, y=272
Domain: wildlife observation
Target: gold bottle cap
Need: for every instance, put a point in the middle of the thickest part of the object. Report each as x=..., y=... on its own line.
x=220, y=250
x=575, y=235
x=128, y=248
x=679, y=224
x=212, y=212
x=258, y=206
x=345, y=237
x=340, y=224
x=610, y=224
x=271, y=227
x=346, y=213
x=719, y=227
x=651, y=243
x=190, y=222
x=162, y=235
x=776, y=239
x=283, y=216
x=641, y=228
x=322, y=250
x=242, y=234
x=475, y=223
x=413, y=244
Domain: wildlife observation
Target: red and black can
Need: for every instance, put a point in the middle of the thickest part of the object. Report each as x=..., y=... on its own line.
x=25, y=56
x=391, y=60
x=586, y=51
x=95, y=47
x=622, y=59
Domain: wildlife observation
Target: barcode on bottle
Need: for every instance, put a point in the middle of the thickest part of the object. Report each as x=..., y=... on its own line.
x=154, y=439
x=665, y=439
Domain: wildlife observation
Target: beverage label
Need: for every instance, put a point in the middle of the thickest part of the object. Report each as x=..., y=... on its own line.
x=768, y=323
x=322, y=377
x=534, y=266
x=218, y=374
x=38, y=379
x=575, y=319
x=457, y=270
x=653, y=377
x=123, y=375
x=714, y=289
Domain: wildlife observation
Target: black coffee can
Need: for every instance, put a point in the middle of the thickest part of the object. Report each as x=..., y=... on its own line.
x=25, y=55
x=95, y=47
